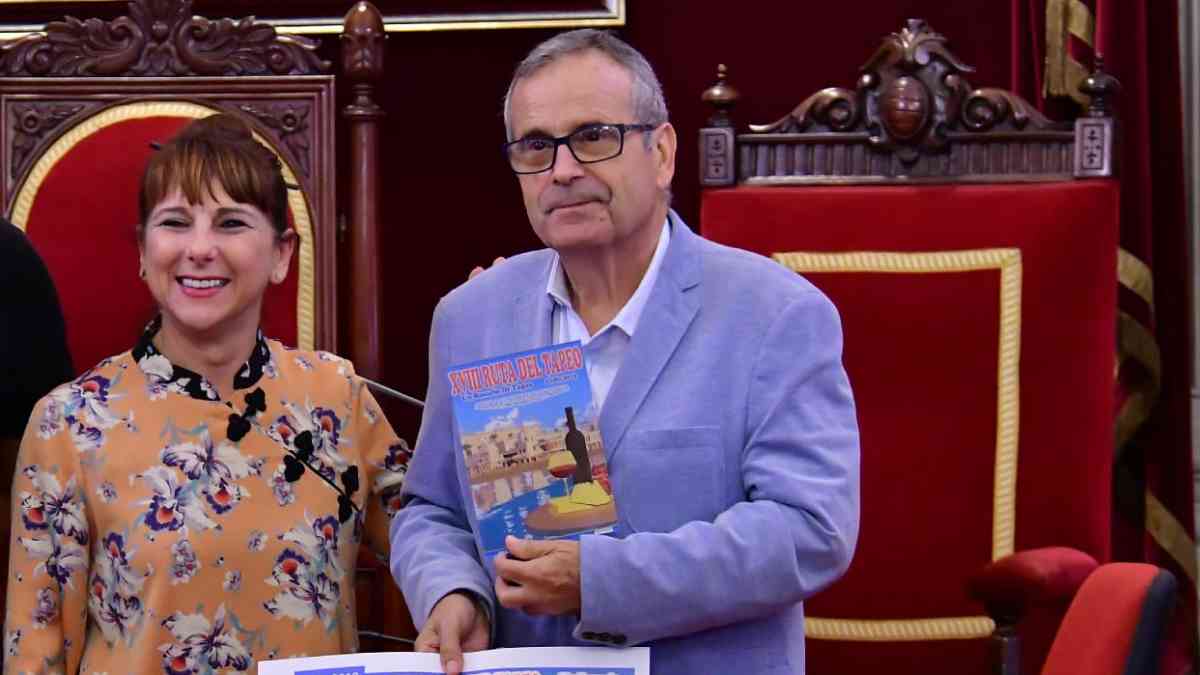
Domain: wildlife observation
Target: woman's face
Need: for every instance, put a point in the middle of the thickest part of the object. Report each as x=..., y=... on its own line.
x=208, y=264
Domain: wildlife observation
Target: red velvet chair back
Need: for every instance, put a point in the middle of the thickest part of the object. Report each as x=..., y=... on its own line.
x=976, y=283
x=79, y=204
x=81, y=109
x=978, y=328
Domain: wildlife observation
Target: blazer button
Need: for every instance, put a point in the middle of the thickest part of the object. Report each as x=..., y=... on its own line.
x=589, y=635
x=619, y=639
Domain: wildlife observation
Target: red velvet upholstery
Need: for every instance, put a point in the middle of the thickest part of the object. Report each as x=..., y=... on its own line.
x=1114, y=625
x=82, y=223
x=922, y=352
x=1011, y=585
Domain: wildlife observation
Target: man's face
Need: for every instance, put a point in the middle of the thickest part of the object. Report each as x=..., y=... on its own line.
x=579, y=206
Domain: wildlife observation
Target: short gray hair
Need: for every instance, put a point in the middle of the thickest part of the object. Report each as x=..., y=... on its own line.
x=649, y=104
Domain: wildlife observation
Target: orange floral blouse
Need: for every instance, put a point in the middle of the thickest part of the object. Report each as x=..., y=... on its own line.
x=160, y=528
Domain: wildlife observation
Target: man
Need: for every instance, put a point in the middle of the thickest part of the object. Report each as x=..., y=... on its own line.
x=33, y=350
x=32, y=332
x=726, y=415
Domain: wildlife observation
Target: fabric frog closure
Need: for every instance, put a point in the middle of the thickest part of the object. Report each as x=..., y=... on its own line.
x=296, y=462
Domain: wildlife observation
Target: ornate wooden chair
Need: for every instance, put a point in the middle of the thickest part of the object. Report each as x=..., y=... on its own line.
x=83, y=101
x=974, y=266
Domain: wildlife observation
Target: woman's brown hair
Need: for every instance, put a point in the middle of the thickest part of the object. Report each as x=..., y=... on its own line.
x=217, y=150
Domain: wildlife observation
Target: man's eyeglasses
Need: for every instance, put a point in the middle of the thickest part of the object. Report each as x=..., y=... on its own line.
x=588, y=144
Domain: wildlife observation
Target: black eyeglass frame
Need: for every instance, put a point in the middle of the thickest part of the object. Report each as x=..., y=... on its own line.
x=566, y=140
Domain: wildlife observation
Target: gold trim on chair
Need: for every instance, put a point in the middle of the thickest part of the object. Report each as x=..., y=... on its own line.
x=900, y=630
x=297, y=201
x=1008, y=261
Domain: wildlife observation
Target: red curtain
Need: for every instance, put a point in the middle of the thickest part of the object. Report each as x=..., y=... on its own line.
x=1153, y=480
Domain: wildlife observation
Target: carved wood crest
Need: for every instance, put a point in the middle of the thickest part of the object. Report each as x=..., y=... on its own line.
x=910, y=96
x=289, y=123
x=31, y=122
x=159, y=38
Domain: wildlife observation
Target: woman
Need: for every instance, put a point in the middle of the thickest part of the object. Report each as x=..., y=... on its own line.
x=193, y=505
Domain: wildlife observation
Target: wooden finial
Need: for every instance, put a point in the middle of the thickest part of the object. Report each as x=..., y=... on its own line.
x=362, y=42
x=362, y=62
x=721, y=96
x=1101, y=87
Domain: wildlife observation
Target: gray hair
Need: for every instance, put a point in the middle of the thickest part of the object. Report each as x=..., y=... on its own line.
x=649, y=105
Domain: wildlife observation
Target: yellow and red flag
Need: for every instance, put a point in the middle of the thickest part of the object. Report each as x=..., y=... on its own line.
x=1152, y=472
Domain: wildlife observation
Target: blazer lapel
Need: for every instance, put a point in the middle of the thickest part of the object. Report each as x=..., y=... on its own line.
x=672, y=306
x=532, y=313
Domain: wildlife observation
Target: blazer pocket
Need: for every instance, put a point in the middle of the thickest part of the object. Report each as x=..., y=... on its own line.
x=664, y=478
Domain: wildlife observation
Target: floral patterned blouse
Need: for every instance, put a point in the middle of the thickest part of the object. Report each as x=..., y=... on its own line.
x=159, y=528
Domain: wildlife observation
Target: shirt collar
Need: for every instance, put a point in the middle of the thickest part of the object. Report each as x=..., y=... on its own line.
x=190, y=382
x=626, y=319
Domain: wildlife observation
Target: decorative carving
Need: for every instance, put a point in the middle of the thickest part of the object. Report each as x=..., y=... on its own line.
x=159, y=38
x=362, y=42
x=1100, y=87
x=717, y=141
x=833, y=108
x=915, y=46
x=362, y=61
x=1095, y=133
x=913, y=87
x=904, y=107
x=716, y=156
x=31, y=122
x=912, y=115
x=289, y=122
x=721, y=96
x=913, y=94
x=987, y=108
x=362, y=56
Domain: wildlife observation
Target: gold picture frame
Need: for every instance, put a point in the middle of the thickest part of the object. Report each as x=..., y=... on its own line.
x=22, y=17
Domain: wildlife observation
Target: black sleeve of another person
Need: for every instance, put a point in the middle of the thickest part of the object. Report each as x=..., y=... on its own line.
x=33, y=336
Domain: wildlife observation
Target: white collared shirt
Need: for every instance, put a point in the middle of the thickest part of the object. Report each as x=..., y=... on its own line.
x=604, y=351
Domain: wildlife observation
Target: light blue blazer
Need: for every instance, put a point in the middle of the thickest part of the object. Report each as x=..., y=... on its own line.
x=732, y=452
